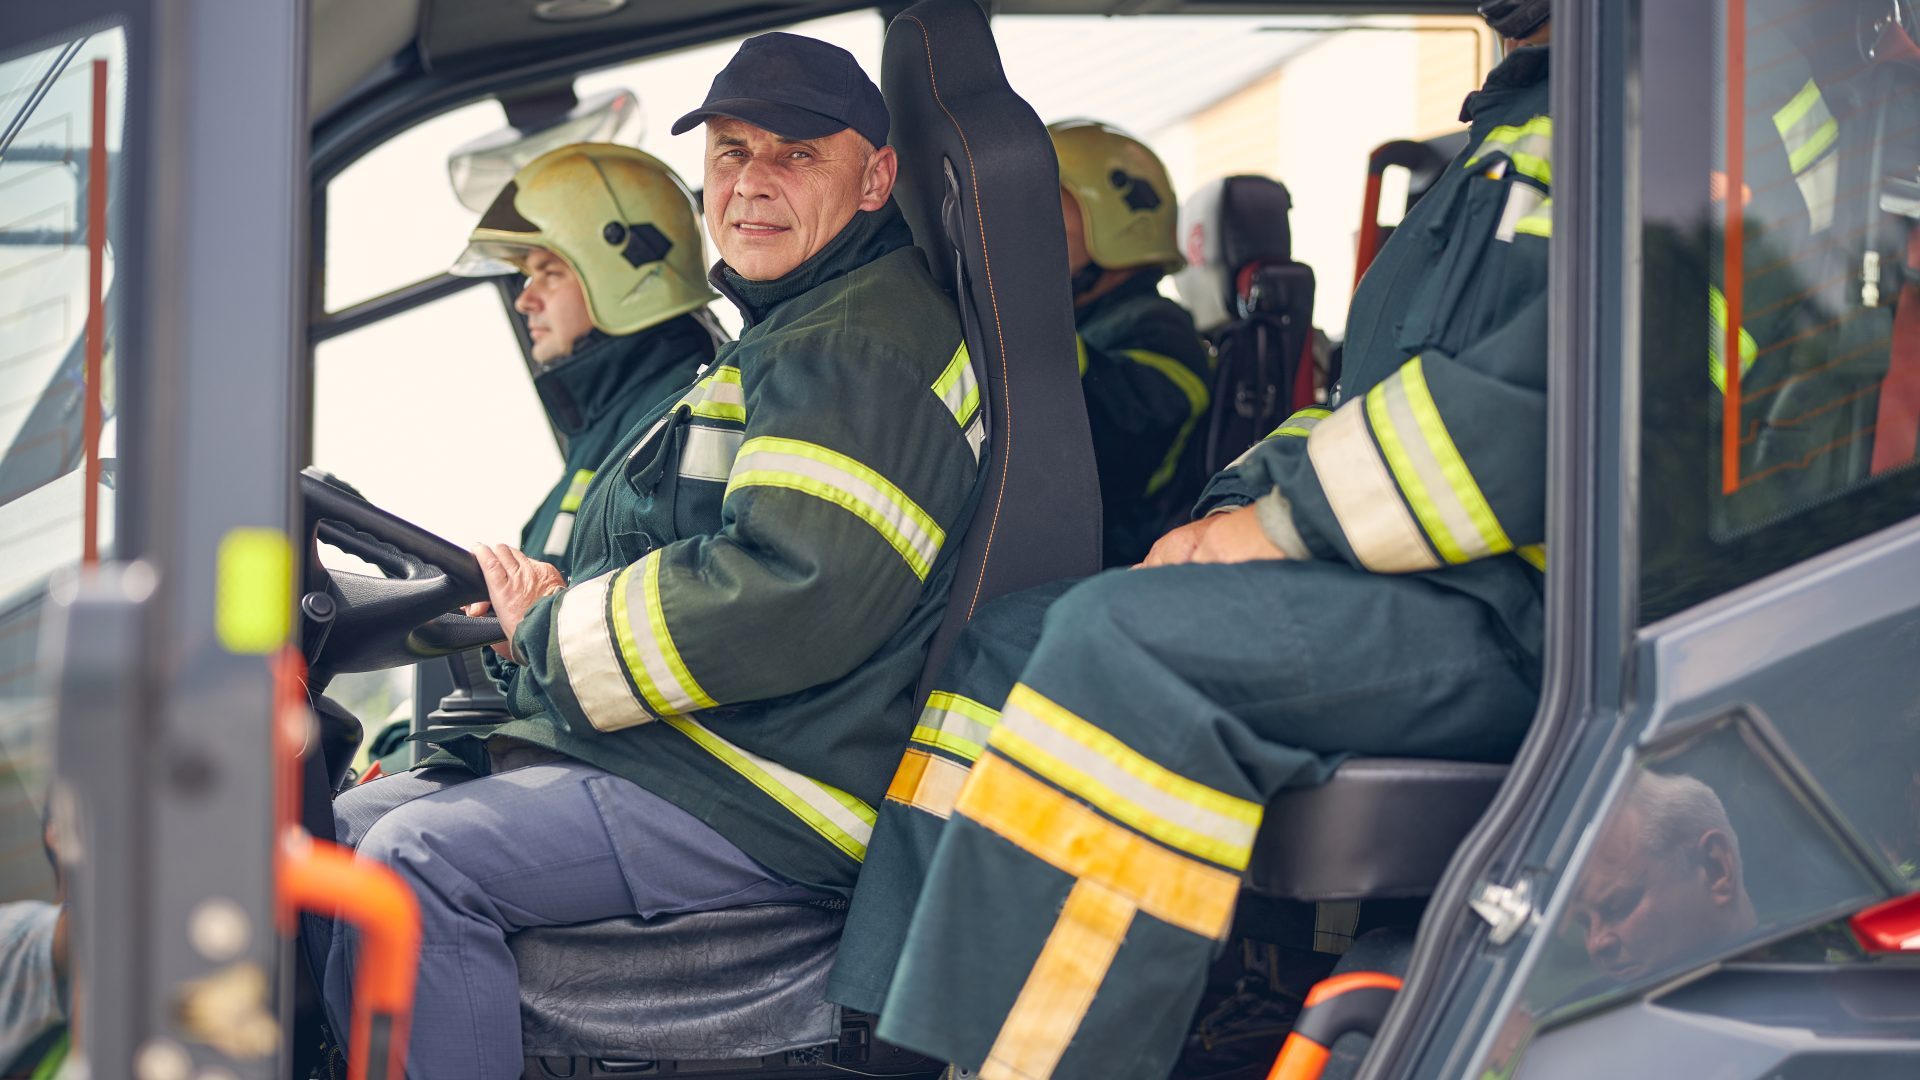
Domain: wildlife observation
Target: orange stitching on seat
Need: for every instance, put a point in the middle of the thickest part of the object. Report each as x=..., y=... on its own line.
x=993, y=297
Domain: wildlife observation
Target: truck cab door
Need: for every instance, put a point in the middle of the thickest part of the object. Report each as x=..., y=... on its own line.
x=152, y=189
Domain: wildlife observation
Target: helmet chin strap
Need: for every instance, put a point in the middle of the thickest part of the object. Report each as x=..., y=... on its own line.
x=1085, y=278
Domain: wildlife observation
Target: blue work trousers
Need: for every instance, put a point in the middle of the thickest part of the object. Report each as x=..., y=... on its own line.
x=549, y=844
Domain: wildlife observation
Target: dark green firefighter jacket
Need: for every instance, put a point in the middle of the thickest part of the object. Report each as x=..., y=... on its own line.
x=1433, y=461
x=758, y=568
x=1145, y=372
x=594, y=398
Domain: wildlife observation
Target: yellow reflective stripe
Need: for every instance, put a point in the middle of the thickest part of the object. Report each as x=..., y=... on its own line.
x=709, y=452
x=928, y=782
x=1418, y=477
x=718, y=396
x=1453, y=467
x=593, y=668
x=1061, y=986
x=1124, y=783
x=838, y=479
x=1717, y=333
x=1807, y=127
x=1522, y=205
x=1080, y=352
x=1529, y=146
x=650, y=655
x=842, y=819
x=1197, y=397
x=1067, y=836
x=1538, y=221
x=1301, y=423
x=1365, y=501
x=576, y=491
x=957, y=388
x=956, y=724
x=1535, y=554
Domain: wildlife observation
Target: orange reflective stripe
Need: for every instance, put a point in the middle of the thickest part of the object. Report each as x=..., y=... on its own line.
x=1187, y=893
x=1075, y=961
x=927, y=782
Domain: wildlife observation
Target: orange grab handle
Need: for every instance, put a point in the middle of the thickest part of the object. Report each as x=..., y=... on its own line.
x=1300, y=1059
x=326, y=879
x=1304, y=1055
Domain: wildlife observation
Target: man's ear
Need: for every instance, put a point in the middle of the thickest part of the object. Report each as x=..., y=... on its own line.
x=1720, y=867
x=877, y=186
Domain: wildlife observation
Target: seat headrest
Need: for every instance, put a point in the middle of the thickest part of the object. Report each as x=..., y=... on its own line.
x=1226, y=226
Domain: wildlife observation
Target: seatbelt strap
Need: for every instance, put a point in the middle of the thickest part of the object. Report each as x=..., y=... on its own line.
x=1897, y=430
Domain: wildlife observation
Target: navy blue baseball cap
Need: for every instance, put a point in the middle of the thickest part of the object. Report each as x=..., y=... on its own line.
x=798, y=87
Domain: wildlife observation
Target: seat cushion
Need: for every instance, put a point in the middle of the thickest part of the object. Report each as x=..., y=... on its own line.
x=711, y=985
x=1379, y=828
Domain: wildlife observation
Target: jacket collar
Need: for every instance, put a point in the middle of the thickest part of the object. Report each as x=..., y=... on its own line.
x=867, y=237
x=1522, y=70
x=595, y=379
x=1144, y=282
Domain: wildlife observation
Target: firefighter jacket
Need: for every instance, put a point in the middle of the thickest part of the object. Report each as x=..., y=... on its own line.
x=1433, y=460
x=593, y=398
x=757, y=570
x=1145, y=372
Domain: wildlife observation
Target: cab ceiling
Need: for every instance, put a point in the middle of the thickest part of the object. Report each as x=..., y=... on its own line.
x=360, y=43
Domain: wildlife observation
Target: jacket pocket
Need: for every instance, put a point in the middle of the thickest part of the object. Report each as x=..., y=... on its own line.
x=1460, y=300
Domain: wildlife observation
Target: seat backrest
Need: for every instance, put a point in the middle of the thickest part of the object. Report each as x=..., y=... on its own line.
x=1255, y=305
x=1425, y=161
x=980, y=187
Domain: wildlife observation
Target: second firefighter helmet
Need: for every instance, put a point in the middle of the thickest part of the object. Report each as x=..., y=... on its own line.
x=620, y=218
x=1126, y=198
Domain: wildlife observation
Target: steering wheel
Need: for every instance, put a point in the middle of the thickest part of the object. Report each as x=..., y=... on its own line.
x=358, y=622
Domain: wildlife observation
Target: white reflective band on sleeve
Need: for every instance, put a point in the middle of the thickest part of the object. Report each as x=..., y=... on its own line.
x=1362, y=494
x=558, y=535
x=709, y=452
x=1521, y=202
x=1809, y=133
x=841, y=818
x=839, y=479
x=594, y=672
x=976, y=437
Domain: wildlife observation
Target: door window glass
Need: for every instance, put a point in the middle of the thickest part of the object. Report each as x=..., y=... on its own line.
x=1783, y=323
x=61, y=116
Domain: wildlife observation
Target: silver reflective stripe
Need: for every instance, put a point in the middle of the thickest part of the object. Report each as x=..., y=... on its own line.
x=1363, y=496
x=1440, y=490
x=976, y=437
x=640, y=625
x=709, y=453
x=1809, y=133
x=652, y=431
x=1521, y=201
x=825, y=809
x=1120, y=782
x=558, y=536
x=839, y=479
x=959, y=391
x=1819, y=185
x=955, y=724
x=594, y=671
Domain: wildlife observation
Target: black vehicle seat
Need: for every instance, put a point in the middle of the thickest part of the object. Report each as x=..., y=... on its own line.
x=1427, y=161
x=1254, y=304
x=978, y=184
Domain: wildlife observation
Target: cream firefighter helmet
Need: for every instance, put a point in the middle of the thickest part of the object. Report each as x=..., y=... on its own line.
x=619, y=217
x=1125, y=196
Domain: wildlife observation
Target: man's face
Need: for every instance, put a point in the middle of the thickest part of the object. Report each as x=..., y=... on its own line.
x=771, y=202
x=1645, y=911
x=1077, y=255
x=554, y=304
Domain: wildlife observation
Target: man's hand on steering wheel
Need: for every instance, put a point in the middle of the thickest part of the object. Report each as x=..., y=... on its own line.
x=515, y=582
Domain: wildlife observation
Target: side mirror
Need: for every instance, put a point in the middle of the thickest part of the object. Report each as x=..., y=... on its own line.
x=481, y=167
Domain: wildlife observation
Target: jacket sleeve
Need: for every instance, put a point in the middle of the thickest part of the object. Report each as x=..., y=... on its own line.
x=1143, y=400
x=840, y=499
x=1438, y=464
